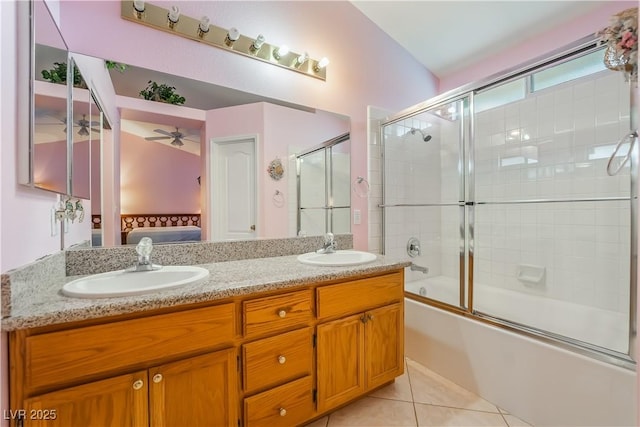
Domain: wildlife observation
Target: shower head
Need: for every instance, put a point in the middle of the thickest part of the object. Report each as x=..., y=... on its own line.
x=425, y=137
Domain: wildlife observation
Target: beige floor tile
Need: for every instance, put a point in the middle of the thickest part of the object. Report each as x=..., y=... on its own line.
x=374, y=412
x=430, y=388
x=399, y=390
x=322, y=422
x=429, y=415
x=515, y=421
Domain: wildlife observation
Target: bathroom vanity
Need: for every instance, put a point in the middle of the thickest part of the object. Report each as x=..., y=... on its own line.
x=280, y=351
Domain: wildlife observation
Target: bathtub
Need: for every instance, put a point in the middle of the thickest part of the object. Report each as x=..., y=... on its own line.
x=540, y=383
x=603, y=328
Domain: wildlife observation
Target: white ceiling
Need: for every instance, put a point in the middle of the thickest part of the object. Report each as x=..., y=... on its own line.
x=447, y=36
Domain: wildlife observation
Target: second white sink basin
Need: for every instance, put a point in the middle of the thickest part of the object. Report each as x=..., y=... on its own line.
x=337, y=258
x=125, y=283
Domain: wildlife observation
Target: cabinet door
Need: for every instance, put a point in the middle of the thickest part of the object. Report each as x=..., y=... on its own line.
x=340, y=351
x=115, y=402
x=384, y=345
x=198, y=392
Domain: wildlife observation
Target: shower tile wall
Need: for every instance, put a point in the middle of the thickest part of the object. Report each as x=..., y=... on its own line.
x=555, y=145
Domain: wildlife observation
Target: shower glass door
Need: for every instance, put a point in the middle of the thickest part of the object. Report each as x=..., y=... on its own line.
x=552, y=229
x=424, y=199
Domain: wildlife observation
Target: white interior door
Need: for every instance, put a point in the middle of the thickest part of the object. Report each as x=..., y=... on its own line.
x=233, y=202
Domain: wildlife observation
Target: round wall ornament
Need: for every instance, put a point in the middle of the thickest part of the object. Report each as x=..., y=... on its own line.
x=275, y=169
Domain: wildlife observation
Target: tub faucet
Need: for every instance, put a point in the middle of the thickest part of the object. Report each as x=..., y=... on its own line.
x=144, y=263
x=329, y=246
x=415, y=267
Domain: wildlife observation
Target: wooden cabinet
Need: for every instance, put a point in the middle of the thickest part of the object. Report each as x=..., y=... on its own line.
x=366, y=348
x=115, y=402
x=278, y=359
x=197, y=392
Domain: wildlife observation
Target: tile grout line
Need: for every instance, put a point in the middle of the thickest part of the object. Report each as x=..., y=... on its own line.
x=413, y=401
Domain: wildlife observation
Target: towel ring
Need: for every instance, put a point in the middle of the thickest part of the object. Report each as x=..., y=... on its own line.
x=278, y=199
x=360, y=187
x=631, y=136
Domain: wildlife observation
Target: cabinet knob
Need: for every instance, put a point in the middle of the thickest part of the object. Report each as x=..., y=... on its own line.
x=157, y=378
x=369, y=316
x=282, y=412
x=363, y=318
x=137, y=385
x=282, y=313
x=282, y=360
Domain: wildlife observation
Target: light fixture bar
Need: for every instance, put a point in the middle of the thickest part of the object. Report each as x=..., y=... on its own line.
x=156, y=17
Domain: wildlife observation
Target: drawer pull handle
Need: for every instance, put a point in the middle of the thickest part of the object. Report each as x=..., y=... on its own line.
x=282, y=313
x=282, y=360
x=137, y=385
x=283, y=412
x=157, y=378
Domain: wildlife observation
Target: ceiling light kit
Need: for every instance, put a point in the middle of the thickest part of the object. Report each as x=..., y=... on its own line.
x=201, y=30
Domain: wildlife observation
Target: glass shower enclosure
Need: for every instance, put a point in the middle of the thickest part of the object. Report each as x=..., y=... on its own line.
x=500, y=198
x=323, y=181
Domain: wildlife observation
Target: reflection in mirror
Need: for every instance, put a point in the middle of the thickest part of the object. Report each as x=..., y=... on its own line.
x=83, y=129
x=48, y=142
x=164, y=149
x=324, y=198
x=95, y=170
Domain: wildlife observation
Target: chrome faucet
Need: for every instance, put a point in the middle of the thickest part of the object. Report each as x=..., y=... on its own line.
x=415, y=267
x=144, y=249
x=329, y=246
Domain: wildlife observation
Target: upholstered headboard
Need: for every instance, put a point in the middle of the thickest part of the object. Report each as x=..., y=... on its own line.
x=129, y=222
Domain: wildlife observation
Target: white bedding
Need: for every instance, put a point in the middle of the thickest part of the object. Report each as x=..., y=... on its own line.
x=181, y=233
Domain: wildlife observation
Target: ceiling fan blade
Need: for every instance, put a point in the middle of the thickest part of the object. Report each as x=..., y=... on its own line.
x=157, y=138
x=164, y=132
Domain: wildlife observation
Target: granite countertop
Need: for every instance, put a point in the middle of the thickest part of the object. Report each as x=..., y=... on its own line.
x=46, y=305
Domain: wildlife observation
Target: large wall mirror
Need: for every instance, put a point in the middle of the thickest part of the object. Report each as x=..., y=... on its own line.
x=162, y=158
x=47, y=163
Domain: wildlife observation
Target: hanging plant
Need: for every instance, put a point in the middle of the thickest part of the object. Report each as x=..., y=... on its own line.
x=161, y=93
x=113, y=65
x=58, y=74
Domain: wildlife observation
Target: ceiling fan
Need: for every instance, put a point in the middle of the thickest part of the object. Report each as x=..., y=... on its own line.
x=177, y=137
x=84, y=125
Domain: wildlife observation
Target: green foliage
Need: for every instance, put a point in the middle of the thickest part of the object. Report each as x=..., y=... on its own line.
x=113, y=65
x=58, y=74
x=162, y=93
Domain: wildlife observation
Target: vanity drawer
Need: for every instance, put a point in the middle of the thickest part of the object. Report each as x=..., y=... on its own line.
x=284, y=406
x=275, y=360
x=276, y=313
x=85, y=353
x=359, y=295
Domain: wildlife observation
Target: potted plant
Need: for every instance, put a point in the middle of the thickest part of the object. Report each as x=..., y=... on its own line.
x=58, y=74
x=162, y=93
x=113, y=65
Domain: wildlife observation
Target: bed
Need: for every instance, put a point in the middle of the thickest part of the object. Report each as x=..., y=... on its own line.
x=161, y=228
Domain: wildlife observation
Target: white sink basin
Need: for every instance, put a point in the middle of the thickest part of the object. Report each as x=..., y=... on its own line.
x=337, y=258
x=124, y=283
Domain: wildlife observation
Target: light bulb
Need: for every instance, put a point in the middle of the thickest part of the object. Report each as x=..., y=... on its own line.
x=138, y=8
x=232, y=35
x=321, y=64
x=138, y=5
x=281, y=51
x=301, y=59
x=257, y=43
x=174, y=14
x=203, y=27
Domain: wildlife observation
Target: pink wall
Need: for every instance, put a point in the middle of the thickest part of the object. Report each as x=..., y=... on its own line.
x=50, y=165
x=535, y=47
x=156, y=178
x=337, y=30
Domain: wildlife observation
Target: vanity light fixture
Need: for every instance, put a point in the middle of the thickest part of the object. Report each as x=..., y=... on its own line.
x=173, y=16
x=301, y=59
x=203, y=26
x=257, y=44
x=232, y=36
x=321, y=65
x=281, y=51
x=138, y=8
x=201, y=30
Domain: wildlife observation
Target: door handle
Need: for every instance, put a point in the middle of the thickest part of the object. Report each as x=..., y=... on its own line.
x=253, y=228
